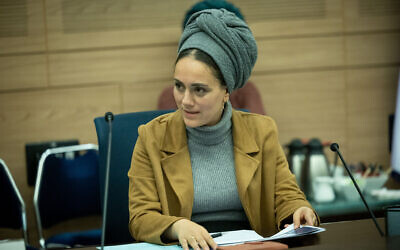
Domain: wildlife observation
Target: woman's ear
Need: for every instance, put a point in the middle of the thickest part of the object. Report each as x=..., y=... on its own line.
x=226, y=97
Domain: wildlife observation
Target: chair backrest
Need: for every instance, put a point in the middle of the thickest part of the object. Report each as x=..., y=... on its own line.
x=124, y=135
x=12, y=208
x=66, y=188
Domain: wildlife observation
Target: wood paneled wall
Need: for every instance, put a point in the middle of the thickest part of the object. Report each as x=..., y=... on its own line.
x=326, y=68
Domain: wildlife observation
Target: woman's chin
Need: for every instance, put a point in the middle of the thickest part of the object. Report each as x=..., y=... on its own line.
x=191, y=124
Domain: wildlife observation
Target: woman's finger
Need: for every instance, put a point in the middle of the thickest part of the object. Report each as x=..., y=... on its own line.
x=296, y=220
x=193, y=243
x=203, y=244
x=184, y=244
x=309, y=218
x=209, y=240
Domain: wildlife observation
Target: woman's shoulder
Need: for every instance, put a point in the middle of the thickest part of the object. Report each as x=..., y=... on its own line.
x=167, y=131
x=157, y=127
x=251, y=127
x=160, y=121
x=253, y=120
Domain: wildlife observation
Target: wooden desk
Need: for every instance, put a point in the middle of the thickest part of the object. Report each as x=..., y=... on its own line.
x=359, y=234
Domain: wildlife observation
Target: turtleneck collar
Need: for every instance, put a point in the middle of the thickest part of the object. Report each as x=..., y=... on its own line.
x=210, y=135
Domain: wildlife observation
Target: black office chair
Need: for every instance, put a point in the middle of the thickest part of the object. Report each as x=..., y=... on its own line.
x=124, y=135
x=67, y=187
x=12, y=208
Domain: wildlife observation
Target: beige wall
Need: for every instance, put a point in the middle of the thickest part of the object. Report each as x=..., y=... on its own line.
x=326, y=68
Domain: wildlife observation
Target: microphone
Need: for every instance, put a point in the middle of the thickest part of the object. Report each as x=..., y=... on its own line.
x=335, y=148
x=109, y=117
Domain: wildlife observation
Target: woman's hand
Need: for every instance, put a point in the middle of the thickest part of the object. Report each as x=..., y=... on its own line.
x=304, y=215
x=191, y=234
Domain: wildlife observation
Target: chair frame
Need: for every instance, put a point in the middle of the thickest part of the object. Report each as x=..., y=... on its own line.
x=47, y=153
x=21, y=201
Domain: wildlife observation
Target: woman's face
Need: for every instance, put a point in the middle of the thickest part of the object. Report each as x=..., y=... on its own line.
x=198, y=93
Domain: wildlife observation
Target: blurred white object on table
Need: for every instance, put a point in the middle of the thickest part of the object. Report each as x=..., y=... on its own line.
x=344, y=187
x=386, y=194
x=374, y=182
x=323, y=189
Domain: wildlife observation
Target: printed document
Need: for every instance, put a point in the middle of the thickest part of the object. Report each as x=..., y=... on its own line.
x=242, y=236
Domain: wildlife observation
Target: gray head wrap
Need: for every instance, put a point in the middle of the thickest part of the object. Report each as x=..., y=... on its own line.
x=227, y=39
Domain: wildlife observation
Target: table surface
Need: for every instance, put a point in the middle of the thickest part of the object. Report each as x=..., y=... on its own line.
x=358, y=234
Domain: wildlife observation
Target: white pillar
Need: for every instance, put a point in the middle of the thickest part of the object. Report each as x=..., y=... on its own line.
x=395, y=159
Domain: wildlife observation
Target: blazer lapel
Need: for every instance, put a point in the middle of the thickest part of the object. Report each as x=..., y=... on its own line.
x=245, y=165
x=177, y=167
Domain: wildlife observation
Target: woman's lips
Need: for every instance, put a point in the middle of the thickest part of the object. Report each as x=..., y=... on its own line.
x=190, y=114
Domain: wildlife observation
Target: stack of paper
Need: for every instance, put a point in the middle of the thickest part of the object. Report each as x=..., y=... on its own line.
x=242, y=236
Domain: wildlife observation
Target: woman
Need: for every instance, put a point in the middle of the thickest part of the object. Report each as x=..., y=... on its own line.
x=207, y=167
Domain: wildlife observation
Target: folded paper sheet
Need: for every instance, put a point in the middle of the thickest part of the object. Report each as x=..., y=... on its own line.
x=241, y=236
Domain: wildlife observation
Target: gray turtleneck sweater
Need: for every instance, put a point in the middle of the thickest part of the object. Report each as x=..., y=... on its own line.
x=216, y=196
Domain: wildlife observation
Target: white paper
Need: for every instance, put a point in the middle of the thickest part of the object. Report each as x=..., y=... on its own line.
x=236, y=237
x=141, y=246
x=291, y=232
x=242, y=236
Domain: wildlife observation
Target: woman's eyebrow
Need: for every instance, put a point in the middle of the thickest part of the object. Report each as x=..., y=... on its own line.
x=199, y=85
x=176, y=80
x=193, y=84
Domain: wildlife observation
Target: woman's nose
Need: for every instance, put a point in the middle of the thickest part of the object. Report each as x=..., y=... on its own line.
x=187, y=98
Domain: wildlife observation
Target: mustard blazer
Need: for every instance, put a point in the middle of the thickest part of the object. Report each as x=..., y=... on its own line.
x=161, y=184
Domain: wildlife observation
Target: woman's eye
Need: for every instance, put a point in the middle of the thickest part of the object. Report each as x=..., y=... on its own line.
x=199, y=90
x=178, y=86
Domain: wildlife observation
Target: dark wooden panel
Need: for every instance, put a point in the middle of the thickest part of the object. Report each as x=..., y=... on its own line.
x=21, y=26
x=371, y=15
x=13, y=18
x=108, y=15
x=86, y=24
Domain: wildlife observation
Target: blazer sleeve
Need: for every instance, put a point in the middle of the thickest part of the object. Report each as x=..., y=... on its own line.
x=288, y=196
x=147, y=223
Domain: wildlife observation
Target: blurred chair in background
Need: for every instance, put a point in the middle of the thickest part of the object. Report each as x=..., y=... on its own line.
x=67, y=187
x=124, y=135
x=247, y=98
x=12, y=208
